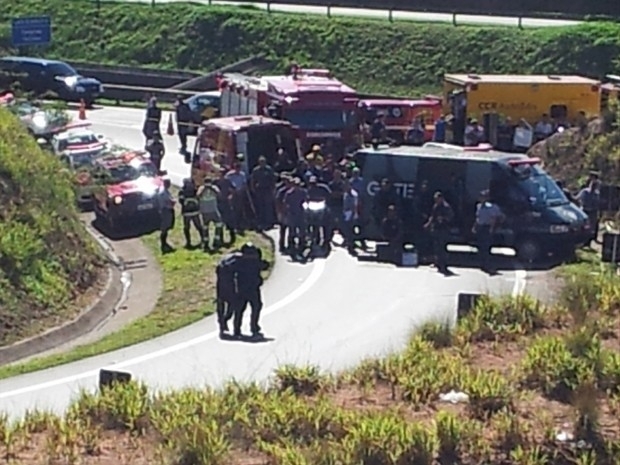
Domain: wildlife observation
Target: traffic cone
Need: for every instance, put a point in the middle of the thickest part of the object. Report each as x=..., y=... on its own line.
x=170, y=130
x=82, y=111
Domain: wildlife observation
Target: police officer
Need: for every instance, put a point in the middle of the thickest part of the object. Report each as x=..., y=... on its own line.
x=190, y=209
x=155, y=148
x=284, y=237
x=153, y=119
x=589, y=199
x=249, y=282
x=239, y=182
x=227, y=297
x=225, y=203
x=166, y=203
x=488, y=217
x=392, y=232
x=184, y=119
x=439, y=223
x=319, y=192
x=294, y=200
x=262, y=182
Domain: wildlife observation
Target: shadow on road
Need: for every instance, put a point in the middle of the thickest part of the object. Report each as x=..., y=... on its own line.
x=246, y=338
x=467, y=260
x=125, y=232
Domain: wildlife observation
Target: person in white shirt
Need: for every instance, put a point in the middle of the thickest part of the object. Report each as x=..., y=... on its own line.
x=524, y=136
x=544, y=128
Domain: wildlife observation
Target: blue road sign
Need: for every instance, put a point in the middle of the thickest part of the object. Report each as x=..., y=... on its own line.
x=34, y=30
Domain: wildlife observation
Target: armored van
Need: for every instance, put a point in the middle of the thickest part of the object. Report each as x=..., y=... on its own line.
x=539, y=219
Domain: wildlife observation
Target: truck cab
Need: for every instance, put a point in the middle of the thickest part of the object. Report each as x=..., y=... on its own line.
x=399, y=115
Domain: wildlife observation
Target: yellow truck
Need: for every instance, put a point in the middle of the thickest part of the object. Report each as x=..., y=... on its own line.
x=521, y=96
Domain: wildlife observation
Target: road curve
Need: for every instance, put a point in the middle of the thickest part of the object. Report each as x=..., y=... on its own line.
x=396, y=15
x=332, y=313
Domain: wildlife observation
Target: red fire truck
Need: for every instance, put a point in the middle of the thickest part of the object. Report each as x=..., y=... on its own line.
x=400, y=114
x=321, y=107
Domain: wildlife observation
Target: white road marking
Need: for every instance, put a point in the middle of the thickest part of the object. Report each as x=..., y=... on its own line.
x=520, y=282
x=315, y=275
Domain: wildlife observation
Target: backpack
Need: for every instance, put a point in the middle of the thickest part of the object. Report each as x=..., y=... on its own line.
x=227, y=264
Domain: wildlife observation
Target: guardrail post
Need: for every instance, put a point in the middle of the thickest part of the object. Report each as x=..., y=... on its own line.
x=329, y=11
x=391, y=15
x=268, y=6
x=153, y=3
x=520, y=24
x=454, y=19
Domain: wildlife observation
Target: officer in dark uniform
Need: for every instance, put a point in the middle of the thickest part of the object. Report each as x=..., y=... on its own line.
x=249, y=282
x=153, y=119
x=190, y=209
x=225, y=203
x=166, y=203
x=262, y=183
x=227, y=297
x=155, y=148
x=392, y=232
x=284, y=239
x=184, y=119
x=439, y=224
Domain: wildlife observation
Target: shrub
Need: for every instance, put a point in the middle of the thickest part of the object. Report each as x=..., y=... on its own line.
x=489, y=392
x=503, y=318
x=306, y=380
x=557, y=366
x=46, y=257
x=438, y=334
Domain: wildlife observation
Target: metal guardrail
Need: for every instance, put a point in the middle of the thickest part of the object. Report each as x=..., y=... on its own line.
x=142, y=86
x=543, y=9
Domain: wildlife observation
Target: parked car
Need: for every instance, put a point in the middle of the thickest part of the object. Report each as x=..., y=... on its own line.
x=203, y=106
x=127, y=186
x=41, y=76
x=80, y=139
x=43, y=123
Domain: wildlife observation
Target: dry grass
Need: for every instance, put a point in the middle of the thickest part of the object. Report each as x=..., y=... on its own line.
x=530, y=371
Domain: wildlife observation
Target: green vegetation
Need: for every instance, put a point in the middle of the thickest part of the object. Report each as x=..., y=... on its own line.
x=530, y=372
x=594, y=146
x=188, y=296
x=360, y=51
x=48, y=263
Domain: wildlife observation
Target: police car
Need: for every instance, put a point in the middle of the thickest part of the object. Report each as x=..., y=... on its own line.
x=128, y=184
x=79, y=138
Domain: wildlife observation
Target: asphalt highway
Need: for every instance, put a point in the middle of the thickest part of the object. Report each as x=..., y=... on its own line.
x=332, y=312
x=397, y=15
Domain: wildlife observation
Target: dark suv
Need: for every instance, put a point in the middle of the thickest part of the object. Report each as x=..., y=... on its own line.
x=39, y=76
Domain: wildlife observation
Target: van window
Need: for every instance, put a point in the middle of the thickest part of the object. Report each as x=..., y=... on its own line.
x=538, y=187
x=558, y=111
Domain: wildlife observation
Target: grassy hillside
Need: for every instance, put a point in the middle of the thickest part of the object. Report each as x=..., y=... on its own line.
x=373, y=55
x=47, y=260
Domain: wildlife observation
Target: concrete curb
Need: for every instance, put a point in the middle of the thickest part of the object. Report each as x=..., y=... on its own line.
x=87, y=321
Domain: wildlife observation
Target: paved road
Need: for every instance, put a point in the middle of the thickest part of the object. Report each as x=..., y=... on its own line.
x=333, y=313
x=398, y=15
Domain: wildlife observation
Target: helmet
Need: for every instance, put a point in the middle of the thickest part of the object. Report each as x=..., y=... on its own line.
x=249, y=249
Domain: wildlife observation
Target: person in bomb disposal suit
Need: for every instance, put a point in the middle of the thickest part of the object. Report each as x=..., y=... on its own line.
x=249, y=282
x=226, y=288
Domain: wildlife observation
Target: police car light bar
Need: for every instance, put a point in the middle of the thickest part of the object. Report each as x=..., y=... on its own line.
x=525, y=161
x=86, y=147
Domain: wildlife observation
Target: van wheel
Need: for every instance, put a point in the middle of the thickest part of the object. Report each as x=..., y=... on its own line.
x=528, y=250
